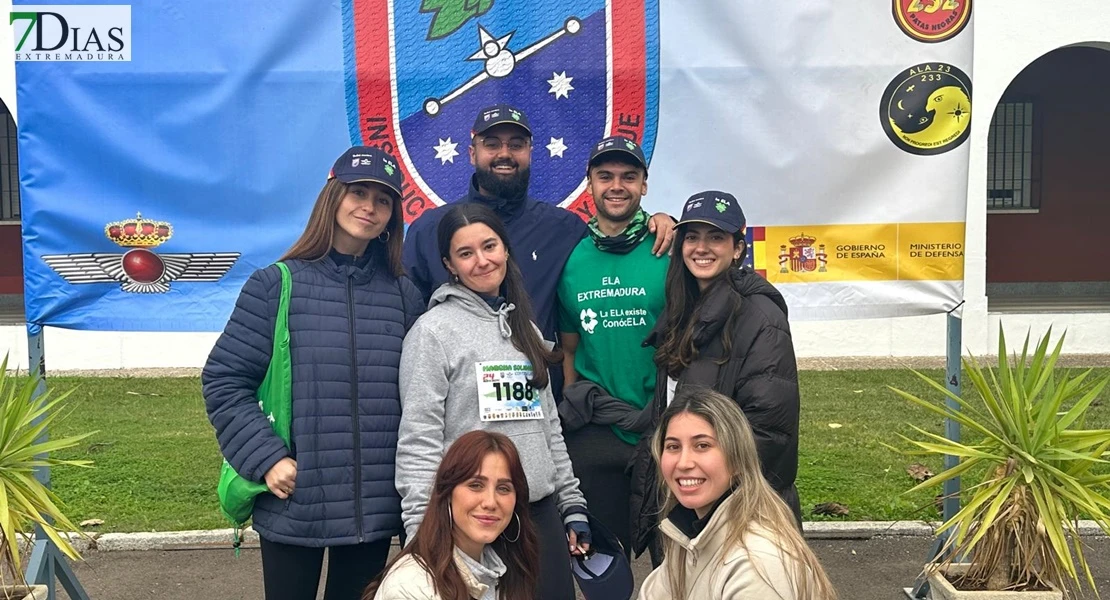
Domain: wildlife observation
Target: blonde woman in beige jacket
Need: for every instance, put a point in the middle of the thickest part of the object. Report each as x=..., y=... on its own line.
x=727, y=534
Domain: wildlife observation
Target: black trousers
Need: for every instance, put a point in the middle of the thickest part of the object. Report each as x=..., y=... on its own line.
x=293, y=572
x=556, y=581
x=600, y=459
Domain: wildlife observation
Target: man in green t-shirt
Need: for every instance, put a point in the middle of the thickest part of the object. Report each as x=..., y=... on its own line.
x=610, y=293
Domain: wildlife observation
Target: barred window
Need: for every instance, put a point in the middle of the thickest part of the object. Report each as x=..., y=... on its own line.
x=1013, y=159
x=9, y=167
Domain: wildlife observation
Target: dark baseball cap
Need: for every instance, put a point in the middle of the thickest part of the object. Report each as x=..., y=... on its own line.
x=719, y=209
x=616, y=144
x=606, y=573
x=361, y=164
x=498, y=114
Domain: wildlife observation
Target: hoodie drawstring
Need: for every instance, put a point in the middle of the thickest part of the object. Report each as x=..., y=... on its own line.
x=503, y=319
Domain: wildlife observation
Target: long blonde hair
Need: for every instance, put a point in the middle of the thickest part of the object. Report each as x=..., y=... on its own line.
x=753, y=501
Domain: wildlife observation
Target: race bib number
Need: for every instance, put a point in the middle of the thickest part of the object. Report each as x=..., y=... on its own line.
x=504, y=393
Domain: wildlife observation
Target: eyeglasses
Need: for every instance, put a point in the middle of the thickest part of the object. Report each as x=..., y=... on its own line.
x=493, y=144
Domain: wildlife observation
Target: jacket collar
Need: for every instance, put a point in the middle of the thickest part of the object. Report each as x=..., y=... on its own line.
x=506, y=208
x=712, y=311
x=492, y=567
x=710, y=539
x=343, y=266
x=687, y=520
x=715, y=308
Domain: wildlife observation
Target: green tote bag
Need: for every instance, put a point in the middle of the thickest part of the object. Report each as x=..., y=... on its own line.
x=275, y=397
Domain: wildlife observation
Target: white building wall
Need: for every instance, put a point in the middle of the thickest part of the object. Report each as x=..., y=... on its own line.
x=1008, y=36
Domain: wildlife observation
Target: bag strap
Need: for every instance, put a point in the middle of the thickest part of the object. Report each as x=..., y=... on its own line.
x=281, y=325
x=278, y=399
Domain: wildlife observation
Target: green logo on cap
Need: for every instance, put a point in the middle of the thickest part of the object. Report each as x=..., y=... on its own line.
x=722, y=206
x=630, y=145
x=389, y=168
x=515, y=114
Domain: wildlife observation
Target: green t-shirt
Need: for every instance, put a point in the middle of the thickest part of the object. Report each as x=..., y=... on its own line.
x=612, y=301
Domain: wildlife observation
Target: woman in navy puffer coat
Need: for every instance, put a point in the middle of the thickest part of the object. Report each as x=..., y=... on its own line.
x=350, y=308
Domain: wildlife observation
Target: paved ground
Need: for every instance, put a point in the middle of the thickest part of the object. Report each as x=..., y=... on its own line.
x=861, y=570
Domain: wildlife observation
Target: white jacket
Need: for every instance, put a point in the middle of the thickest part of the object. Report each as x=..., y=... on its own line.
x=408, y=580
x=717, y=572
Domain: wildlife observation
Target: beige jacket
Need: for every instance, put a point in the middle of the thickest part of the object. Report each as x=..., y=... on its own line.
x=408, y=580
x=717, y=573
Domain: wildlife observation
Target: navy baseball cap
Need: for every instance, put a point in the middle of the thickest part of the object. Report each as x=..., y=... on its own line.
x=605, y=574
x=615, y=144
x=719, y=209
x=361, y=164
x=498, y=114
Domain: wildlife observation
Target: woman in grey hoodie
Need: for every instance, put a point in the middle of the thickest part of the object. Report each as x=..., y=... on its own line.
x=476, y=360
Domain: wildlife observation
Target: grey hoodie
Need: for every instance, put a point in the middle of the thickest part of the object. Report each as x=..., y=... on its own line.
x=439, y=403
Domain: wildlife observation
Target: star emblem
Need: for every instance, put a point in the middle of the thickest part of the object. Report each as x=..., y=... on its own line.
x=556, y=147
x=490, y=46
x=445, y=151
x=560, y=85
x=958, y=113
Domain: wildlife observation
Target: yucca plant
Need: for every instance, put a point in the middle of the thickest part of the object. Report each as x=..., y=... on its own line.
x=1024, y=423
x=24, y=500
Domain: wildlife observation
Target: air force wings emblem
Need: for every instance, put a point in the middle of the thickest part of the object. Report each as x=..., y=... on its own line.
x=139, y=269
x=418, y=71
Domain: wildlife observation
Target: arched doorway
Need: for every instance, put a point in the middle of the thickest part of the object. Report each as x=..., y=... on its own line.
x=1048, y=195
x=11, y=246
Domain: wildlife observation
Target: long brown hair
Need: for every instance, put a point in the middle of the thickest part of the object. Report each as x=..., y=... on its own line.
x=526, y=337
x=433, y=546
x=683, y=307
x=752, y=504
x=315, y=242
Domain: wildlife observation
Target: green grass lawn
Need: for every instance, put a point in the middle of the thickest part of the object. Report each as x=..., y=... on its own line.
x=157, y=463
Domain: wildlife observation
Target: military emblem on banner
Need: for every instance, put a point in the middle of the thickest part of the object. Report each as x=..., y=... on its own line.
x=418, y=72
x=139, y=269
x=932, y=21
x=926, y=109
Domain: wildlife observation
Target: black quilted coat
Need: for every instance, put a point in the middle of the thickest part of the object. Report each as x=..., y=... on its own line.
x=760, y=374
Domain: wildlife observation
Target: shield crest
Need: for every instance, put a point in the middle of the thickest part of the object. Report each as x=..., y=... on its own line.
x=418, y=71
x=932, y=21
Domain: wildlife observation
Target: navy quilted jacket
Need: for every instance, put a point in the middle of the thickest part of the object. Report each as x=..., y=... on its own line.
x=346, y=325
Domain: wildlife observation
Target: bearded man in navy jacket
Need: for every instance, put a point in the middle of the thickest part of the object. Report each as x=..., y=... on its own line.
x=542, y=235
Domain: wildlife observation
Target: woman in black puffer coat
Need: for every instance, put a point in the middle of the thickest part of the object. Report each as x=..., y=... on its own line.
x=723, y=328
x=350, y=308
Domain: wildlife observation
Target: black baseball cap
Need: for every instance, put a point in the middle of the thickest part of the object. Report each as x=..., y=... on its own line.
x=606, y=574
x=615, y=144
x=719, y=209
x=361, y=164
x=498, y=114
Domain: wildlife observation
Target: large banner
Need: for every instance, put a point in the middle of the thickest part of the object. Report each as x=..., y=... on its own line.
x=169, y=150
x=841, y=129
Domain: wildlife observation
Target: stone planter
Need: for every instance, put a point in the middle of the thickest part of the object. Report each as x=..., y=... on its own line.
x=940, y=589
x=23, y=592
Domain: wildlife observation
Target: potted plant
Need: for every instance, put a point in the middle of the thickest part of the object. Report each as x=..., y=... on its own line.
x=25, y=501
x=1041, y=469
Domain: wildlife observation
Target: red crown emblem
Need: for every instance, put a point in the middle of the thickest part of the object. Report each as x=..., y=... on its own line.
x=803, y=240
x=138, y=232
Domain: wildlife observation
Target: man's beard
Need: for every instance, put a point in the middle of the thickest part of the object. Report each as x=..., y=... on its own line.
x=500, y=187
